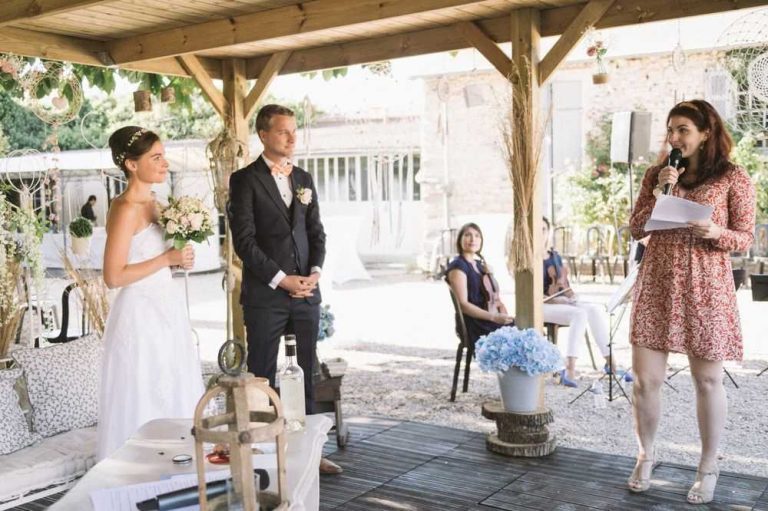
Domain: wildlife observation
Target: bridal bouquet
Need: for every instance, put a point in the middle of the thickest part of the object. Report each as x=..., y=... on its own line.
x=509, y=346
x=186, y=219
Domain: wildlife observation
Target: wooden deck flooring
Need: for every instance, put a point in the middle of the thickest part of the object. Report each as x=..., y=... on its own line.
x=406, y=466
x=394, y=465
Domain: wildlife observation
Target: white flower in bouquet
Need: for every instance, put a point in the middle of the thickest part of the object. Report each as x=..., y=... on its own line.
x=186, y=219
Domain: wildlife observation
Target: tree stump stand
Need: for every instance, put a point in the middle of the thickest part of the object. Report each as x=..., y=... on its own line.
x=519, y=434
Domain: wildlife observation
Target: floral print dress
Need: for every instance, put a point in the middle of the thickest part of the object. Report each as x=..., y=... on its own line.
x=684, y=299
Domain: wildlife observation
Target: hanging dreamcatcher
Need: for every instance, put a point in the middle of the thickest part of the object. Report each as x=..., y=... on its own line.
x=225, y=154
x=745, y=59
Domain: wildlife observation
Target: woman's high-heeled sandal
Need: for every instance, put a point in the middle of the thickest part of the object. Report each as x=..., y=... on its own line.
x=636, y=482
x=703, y=489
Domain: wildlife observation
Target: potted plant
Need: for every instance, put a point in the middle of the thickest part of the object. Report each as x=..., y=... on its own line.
x=335, y=366
x=81, y=230
x=598, y=49
x=519, y=357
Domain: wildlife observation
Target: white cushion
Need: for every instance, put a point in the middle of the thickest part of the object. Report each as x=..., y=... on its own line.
x=51, y=461
x=14, y=430
x=63, y=384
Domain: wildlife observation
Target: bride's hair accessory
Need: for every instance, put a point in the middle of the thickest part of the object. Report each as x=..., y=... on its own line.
x=120, y=158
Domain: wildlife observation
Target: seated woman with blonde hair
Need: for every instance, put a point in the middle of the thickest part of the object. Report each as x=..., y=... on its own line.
x=474, y=286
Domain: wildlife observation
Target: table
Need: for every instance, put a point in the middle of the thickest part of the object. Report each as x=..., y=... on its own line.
x=138, y=461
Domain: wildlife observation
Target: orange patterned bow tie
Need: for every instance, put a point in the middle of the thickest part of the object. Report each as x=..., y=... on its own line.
x=284, y=169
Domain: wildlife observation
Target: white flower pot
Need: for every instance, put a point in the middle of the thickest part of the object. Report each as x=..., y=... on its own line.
x=519, y=391
x=81, y=246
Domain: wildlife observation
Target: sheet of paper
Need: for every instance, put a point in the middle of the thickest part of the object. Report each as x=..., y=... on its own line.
x=124, y=498
x=673, y=213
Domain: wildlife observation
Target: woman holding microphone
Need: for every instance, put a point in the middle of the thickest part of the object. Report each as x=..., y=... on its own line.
x=684, y=298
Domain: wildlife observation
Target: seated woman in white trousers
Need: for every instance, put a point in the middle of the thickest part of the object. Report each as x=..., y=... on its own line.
x=562, y=307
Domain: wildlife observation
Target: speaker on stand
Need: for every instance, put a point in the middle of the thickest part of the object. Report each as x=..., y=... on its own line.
x=630, y=140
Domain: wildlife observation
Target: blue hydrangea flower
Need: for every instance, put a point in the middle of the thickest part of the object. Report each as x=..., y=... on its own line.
x=509, y=346
x=326, y=323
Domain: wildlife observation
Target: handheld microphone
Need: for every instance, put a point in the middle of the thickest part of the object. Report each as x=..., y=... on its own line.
x=675, y=157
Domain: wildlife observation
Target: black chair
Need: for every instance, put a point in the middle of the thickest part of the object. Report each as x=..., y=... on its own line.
x=623, y=248
x=63, y=334
x=464, y=344
x=760, y=247
x=563, y=241
x=552, y=329
x=597, y=250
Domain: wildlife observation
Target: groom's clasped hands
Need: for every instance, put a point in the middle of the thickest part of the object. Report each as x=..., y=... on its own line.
x=299, y=286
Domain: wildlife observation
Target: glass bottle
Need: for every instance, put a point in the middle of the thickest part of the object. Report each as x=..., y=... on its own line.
x=292, y=388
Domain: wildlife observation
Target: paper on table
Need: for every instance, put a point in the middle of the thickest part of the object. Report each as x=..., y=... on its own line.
x=124, y=498
x=672, y=212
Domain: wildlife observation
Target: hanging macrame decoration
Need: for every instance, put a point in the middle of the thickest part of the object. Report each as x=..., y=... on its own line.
x=53, y=94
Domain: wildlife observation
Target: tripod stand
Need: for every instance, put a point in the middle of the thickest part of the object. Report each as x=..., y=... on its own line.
x=613, y=328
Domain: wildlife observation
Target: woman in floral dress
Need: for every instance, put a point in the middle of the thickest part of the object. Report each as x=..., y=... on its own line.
x=684, y=298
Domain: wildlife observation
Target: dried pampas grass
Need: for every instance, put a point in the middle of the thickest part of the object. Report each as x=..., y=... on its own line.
x=94, y=293
x=11, y=309
x=522, y=140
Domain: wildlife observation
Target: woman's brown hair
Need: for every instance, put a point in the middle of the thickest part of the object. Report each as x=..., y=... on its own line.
x=130, y=143
x=717, y=148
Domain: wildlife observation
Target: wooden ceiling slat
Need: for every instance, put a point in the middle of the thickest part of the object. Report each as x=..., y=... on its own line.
x=311, y=16
x=14, y=11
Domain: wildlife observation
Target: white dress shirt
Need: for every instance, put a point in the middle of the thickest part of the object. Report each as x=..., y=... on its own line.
x=286, y=193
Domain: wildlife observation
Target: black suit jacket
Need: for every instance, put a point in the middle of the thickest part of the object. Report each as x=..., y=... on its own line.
x=270, y=237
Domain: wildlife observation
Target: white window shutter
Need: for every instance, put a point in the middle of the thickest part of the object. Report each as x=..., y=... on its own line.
x=720, y=90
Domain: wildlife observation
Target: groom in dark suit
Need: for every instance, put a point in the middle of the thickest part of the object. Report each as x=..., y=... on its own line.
x=276, y=231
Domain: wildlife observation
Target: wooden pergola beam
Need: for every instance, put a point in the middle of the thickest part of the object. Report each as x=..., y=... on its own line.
x=195, y=69
x=525, y=48
x=270, y=71
x=554, y=21
x=303, y=18
x=589, y=15
x=408, y=44
x=474, y=35
x=85, y=51
x=12, y=11
x=630, y=12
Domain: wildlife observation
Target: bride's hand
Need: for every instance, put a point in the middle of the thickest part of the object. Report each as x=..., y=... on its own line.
x=185, y=258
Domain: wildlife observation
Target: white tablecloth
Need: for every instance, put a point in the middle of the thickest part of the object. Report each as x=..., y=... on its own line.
x=138, y=461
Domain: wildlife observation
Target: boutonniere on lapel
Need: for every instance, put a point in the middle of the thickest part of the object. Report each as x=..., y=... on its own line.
x=304, y=195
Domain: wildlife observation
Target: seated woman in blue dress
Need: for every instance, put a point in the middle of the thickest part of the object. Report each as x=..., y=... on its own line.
x=474, y=286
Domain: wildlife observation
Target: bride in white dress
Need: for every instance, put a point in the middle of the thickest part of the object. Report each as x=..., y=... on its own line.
x=150, y=367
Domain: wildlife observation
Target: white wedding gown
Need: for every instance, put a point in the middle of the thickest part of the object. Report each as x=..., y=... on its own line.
x=150, y=367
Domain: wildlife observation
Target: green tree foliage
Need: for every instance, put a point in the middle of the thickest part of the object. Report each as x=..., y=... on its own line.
x=23, y=129
x=3, y=142
x=750, y=159
x=600, y=193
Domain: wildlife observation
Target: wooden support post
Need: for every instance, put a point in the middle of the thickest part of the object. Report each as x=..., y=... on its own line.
x=234, y=93
x=525, y=47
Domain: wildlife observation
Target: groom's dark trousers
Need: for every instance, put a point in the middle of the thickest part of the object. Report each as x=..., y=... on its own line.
x=270, y=237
